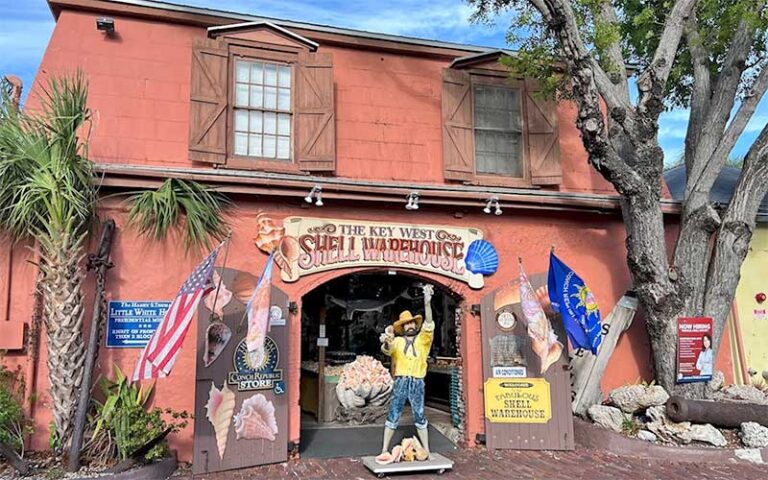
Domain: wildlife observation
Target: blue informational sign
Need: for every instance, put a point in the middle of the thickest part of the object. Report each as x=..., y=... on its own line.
x=131, y=324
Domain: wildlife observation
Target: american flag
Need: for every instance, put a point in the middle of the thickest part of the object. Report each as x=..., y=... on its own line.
x=159, y=355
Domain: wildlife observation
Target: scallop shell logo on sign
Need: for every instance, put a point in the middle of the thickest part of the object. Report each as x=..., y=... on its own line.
x=312, y=245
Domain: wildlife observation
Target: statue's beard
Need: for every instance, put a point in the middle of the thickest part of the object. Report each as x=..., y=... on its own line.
x=409, y=332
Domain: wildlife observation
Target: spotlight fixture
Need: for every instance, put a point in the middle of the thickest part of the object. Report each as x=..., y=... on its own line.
x=492, y=203
x=106, y=25
x=315, y=194
x=413, y=201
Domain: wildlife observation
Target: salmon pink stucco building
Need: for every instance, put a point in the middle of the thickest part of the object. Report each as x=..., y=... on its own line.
x=383, y=157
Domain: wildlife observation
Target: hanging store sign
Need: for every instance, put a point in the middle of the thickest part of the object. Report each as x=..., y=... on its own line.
x=131, y=324
x=312, y=245
x=523, y=400
x=695, y=357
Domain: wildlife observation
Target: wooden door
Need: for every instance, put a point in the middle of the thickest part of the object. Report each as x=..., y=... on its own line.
x=509, y=350
x=259, y=391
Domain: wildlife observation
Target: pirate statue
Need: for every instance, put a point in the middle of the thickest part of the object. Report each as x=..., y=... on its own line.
x=407, y=342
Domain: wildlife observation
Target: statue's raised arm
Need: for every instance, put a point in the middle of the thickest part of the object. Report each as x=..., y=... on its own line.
x=428, y=290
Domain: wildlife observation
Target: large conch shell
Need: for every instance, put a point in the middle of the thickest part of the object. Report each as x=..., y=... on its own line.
x=256, y=419
x=219, y=410
x=268, y=233
x=220, y=294
x=286, y=255
x=217, y=336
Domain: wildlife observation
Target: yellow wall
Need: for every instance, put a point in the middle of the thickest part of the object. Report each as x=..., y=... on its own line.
x=754, y=279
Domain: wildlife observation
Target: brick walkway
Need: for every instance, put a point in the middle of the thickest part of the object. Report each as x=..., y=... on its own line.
x=517, y=465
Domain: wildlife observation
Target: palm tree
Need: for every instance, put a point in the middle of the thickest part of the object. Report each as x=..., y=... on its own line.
x=48, y=194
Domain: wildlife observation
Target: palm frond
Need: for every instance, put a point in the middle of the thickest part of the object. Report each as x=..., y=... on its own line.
x=195, y=210
x=46, y=179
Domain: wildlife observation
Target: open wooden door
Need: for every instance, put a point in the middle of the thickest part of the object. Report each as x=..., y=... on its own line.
x=256, y=433
x=524, y=409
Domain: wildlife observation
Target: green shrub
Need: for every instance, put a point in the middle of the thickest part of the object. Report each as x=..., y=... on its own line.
x=122, y=423
x=13, y=425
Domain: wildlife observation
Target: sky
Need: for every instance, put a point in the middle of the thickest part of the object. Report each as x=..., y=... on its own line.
x=26, y=26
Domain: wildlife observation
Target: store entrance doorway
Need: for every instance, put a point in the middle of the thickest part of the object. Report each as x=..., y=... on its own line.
x=346, y=380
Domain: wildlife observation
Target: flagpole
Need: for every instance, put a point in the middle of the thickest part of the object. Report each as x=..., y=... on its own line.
x=227, y=240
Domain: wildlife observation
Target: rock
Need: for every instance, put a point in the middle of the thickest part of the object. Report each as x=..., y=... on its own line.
x=749, y=454
x=708, y=434
x=754, y=435
x=718, y=380
x=647, y=436
x=632, y=398
x=607, y=417
x=746, y=392
x=665, y=428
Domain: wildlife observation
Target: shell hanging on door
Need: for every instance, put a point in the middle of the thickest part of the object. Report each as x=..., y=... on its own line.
x=219, y=410
x=219, y=297
x=256, y=419
x=217, y=336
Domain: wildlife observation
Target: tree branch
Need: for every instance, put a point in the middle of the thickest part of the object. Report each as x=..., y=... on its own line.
x=735, y=233
x=608, y=15
x=701, y=91
x=652, y=83
x=743, y=114
x=706, y=164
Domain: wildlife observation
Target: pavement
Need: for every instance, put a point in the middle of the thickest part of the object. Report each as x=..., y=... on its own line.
x=481, y=464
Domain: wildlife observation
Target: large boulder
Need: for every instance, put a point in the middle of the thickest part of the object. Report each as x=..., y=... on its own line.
x=633, y=398
x=754, y=435
x=607, y=417
x=708, y=434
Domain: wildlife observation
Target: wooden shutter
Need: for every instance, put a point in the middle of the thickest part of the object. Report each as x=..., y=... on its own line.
x=208, y=102
x=314, y=122
x=543, y=138
x=458, y=126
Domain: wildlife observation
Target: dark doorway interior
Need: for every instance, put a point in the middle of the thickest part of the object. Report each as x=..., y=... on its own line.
x=353, y=311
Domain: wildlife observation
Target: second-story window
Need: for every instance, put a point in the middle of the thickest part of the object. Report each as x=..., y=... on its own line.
x=262, y=110
x=498, y=131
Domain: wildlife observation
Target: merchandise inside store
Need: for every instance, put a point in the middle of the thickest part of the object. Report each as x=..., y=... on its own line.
x=345, y=378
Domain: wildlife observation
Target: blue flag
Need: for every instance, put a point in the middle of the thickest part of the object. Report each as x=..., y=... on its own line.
x=577, y=306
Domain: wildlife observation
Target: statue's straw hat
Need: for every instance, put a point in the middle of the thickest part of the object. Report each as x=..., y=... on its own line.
x=406, y=317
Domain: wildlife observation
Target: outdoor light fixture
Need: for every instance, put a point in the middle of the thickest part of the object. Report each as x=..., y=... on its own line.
x=315, y=194
x=106, y=24
x=413, y=201
x=492, y=203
